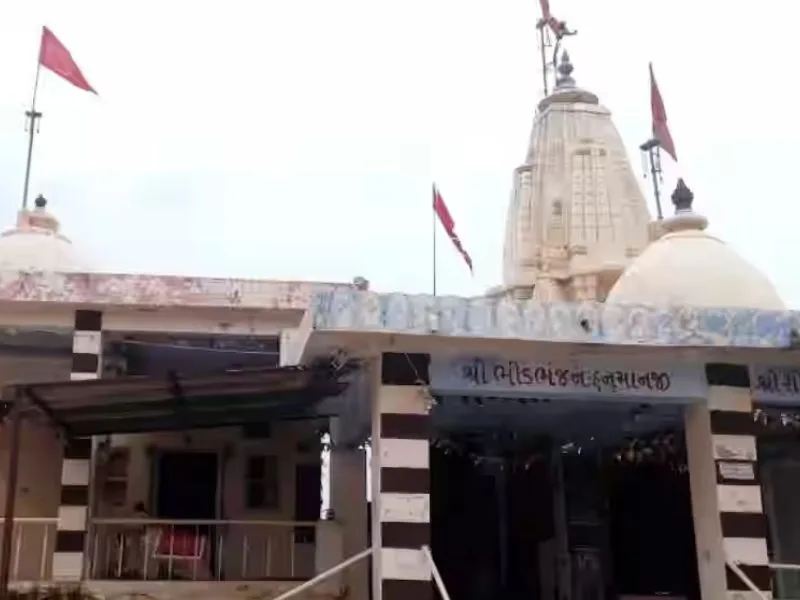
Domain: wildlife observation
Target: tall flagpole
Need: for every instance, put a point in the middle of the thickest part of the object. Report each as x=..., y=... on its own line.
x=433, y=213
x=652, y=149
x=33, y=116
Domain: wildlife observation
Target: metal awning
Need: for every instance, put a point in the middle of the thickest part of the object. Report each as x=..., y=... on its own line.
x=140, y=404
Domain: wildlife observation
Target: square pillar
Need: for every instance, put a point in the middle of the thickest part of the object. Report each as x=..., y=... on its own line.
x=348, y=501
x=729, y=520
x=401, y=479
x=76, y=469
x=73, y=511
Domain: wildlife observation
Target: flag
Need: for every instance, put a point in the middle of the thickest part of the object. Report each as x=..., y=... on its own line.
x=53, y=55
x=660, y=127
x=440, y=208
x=545, y=6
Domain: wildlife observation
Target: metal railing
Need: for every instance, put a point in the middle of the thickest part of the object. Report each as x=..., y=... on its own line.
x=437, y=578
x=737, y=570
x=734, y=566
x=783, y=567
x=32, y=544
x=325, y=574
x=206, y=550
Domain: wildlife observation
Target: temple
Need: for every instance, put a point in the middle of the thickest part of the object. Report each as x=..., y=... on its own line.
x=577, y=216
x=618, y=419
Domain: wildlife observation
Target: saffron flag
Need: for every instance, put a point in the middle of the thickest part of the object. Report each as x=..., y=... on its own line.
x=559, y=28
x=660, y=127
x=54, y=55
x=440, y=208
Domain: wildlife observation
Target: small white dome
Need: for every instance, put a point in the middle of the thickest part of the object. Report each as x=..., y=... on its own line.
x=35, y=244
x=687, y=266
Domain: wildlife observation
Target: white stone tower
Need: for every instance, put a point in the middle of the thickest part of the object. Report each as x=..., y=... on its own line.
x=577, y=215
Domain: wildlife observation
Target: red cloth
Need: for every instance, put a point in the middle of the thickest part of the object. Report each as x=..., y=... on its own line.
x=559, y=28
x=660, y=127
x=440, y=208
x=53, y=55
x=545, y=6
x=179, y=543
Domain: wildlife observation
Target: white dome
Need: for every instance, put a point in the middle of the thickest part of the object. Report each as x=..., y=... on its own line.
x=35, y=244
x=687, y=266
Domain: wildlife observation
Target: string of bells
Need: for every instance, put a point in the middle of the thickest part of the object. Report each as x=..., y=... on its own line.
x=775, y=420
x=661, y=448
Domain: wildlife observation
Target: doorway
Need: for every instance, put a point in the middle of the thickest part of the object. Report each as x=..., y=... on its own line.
x=307, y=500
x=564, y=499
x=186, y=489
x=186, y=485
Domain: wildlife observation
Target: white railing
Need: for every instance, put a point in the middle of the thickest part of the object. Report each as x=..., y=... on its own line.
x=437, y=578
x=326, y=574
x=734, y=566
x=737, y=570
x=209, y=550
x=783, y=567
x=32, y=544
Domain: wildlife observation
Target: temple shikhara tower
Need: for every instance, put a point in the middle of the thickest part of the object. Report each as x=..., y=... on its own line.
x=577, y=215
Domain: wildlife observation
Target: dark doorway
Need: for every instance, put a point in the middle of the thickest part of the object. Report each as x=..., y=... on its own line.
x=187, y=486
x=186, y=489
x=307, y=500
x=652, y=531
x=464, y=526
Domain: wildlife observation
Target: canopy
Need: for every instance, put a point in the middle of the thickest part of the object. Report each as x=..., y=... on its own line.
x=140, y=404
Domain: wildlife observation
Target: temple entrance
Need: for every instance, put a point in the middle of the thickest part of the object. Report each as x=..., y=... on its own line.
x=591, y=503
x=779, y=466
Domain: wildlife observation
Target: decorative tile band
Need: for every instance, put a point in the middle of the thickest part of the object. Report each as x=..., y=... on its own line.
x=344, y=309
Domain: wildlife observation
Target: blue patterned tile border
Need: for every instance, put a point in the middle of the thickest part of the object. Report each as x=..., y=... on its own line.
x=502, y=318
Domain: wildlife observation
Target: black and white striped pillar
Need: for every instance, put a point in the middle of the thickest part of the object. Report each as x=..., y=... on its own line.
x=730, y=524
x=73, y=510
x=401, y=479
x=87, y=345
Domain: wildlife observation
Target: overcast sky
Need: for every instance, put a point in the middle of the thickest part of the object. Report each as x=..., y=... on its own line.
x=298, y=139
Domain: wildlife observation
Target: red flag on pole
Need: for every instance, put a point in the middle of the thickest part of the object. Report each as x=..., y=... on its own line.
x=440, y=208
x=660, y=127
x=54, y=55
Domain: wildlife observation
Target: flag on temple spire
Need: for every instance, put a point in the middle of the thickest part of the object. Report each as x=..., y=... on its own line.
x=440, y=208
x=53, y=55
x=660, y=127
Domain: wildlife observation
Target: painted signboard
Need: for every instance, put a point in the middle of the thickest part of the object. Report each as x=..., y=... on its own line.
x=775, y=384
x=502, y=376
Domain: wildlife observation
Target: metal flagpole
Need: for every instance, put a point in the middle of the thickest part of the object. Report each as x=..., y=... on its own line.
x=33, y=116
x=652, y=148
x=433, y=211
x=542, y=48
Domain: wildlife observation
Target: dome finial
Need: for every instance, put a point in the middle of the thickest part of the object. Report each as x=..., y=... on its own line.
x=684, y=218
x=682, y=197
x=40, y=202
x=565, y=68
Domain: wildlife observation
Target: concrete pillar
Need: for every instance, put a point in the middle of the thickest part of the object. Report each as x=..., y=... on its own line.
x=348, y=501
x=728, y=512
x=401, y=479
x=73, y=510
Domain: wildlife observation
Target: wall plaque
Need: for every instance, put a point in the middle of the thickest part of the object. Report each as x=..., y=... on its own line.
x=502, y=376
x=775, y=383
x=737, y=471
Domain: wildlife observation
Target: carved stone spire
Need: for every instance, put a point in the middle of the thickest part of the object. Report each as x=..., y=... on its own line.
x=576, y=214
